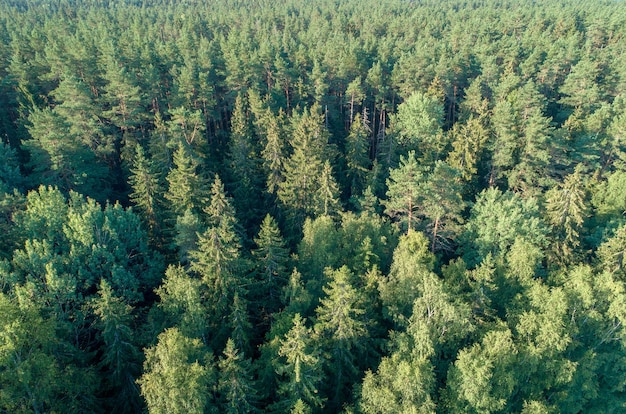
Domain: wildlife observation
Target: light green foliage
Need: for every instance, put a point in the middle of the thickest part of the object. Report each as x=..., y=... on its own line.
x=311, y=113
x=399, y=386
x=442, y=205
x=343, y=329
x=567, y=211
x=483, y=378
x=327, y=196
x=418, y=122
x=178, y=375
x=366, y=240
x=35, y=371
x=29, y=371
x=403, y=193
x=412, y=261
x=496, y=220
x=318, y=249
x=612, y=252
x=182, y=304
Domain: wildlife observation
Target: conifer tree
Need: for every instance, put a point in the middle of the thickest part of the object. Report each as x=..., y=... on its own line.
x=186, y=189
x=327, y=195
x=404, y=191
x=178, y=375
x=305, y=168
x=120, y=358
x=343, y=331
x=236, y=385
x=217, y=259
x=271, y=262
x=146, y=192
x=300, y=368
x=182, y=303
x=357, y=154
x=567, y=211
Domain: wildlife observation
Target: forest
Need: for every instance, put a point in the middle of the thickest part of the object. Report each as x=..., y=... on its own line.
x=323, y=206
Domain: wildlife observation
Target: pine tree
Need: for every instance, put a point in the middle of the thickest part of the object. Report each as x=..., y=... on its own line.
x=305, y=167
x=567, y=211
x=273, y=152
x=357, y=154
x=217, y=259
x=243, y=164
x=441, y=204
x=327, y=195
x=181, y=301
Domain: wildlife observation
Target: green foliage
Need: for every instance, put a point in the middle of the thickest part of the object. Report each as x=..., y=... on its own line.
x=496, y=220
x=178, y=375
x=300, y=367
x=120, y=358
x=418, y=122
x=311, y=112
x=235, y=384
x=404, y=191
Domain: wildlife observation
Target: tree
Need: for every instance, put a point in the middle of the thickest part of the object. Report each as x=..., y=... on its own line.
x=357, y=154
x=418, y=122
x=300, y=368
x=58, y=158
x=235, y=385
x=146, y=194
x=182, y=304
x=327, y=195
x=567, y=211
x=272, y=258
x=120, y=359
x=217, y=259
x=186, y=189
x=343, y=332
x=398, y=386
x=178, y=375
x=273, y=152
x=412, y=262
x=483, y=377
x=441, y=204
x=244, y=164
x=496, y=220
x=404, y=191
x=305, y=167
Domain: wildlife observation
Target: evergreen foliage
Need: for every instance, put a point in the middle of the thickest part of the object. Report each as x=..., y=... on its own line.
x=356, y=206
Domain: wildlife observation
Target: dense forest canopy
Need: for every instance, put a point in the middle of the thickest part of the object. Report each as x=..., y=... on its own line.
x=281, y=206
